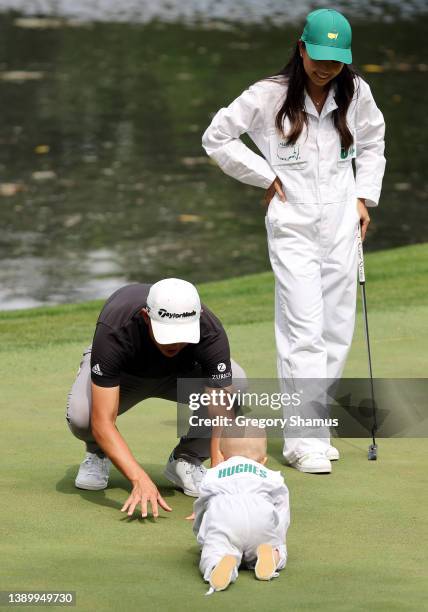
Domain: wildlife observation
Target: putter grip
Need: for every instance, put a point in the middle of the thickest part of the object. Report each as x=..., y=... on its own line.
x=361, y=273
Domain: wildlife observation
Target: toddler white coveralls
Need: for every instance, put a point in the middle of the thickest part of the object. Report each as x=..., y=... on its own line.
x=241, y=505
x=312, y=237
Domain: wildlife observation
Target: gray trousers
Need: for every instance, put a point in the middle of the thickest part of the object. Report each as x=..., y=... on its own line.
x=133, y=390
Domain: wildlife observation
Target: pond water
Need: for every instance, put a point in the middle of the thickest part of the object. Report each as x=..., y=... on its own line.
x=103, y=179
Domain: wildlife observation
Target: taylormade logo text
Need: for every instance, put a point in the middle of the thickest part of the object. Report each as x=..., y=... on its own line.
x=175, y=315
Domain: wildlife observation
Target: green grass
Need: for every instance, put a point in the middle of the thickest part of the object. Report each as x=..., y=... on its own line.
x=357, y=537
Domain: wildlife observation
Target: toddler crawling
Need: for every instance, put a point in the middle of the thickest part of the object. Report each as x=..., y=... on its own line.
x=242, y=513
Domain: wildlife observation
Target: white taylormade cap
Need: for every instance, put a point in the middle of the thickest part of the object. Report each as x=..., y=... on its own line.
x=174, y=308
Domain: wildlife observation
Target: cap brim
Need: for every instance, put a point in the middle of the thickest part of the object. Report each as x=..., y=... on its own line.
x=165, y=333
x=321, y=52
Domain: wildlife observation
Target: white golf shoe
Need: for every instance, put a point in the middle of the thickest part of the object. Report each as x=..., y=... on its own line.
x=185, y=475
x=312, y=463
x=93, y=473
x=332, y=453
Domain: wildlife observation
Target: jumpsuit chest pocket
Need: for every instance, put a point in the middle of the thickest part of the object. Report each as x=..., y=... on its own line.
x=289, y=156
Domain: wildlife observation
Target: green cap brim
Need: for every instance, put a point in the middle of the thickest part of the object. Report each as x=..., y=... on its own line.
x=321, y=52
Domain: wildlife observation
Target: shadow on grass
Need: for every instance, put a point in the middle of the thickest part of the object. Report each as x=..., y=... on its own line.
x=275, y=449
x=275, y=446
x=66, y=486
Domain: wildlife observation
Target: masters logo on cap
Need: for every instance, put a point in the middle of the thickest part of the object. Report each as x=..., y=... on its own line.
x=174, y=308
x=328, y=36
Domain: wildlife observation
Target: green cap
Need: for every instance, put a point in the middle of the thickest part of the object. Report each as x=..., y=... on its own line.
x=328, y=36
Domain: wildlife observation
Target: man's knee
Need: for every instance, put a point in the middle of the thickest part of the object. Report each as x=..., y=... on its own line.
x=78, y=414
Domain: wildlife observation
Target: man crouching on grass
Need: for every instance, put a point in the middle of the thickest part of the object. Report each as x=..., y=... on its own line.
x=146, y=337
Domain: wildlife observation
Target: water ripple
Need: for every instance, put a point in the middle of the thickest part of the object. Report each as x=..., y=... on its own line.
x=208, y=12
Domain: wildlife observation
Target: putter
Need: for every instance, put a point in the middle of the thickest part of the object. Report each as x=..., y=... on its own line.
x=372, y=454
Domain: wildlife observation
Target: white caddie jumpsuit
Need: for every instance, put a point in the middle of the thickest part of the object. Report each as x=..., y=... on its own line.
x=312, y=237
x=241, y=505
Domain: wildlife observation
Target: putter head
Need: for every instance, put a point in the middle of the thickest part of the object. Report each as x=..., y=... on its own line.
x=372, y=456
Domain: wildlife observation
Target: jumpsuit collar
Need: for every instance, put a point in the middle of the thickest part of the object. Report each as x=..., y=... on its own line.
x=329, y=104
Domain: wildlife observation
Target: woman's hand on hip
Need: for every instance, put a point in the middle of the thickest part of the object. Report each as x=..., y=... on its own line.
x=276, y=187
x=363, y=213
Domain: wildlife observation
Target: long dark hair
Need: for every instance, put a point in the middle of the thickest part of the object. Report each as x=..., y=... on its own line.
x=293, y=106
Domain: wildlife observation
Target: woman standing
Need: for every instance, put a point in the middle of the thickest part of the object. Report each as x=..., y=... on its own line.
x=309, y=122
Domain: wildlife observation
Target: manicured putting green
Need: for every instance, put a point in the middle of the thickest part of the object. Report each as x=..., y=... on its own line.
x=357, y=537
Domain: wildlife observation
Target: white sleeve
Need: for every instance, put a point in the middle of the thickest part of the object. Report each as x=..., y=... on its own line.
x=370, y=161
x=221, y=140
x=199, y=508
x=281, y=501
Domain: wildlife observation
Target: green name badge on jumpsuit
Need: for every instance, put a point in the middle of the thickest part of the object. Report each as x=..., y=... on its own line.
x=347, y=153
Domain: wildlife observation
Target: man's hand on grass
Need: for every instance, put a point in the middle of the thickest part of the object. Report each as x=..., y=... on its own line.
x=145, y=492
